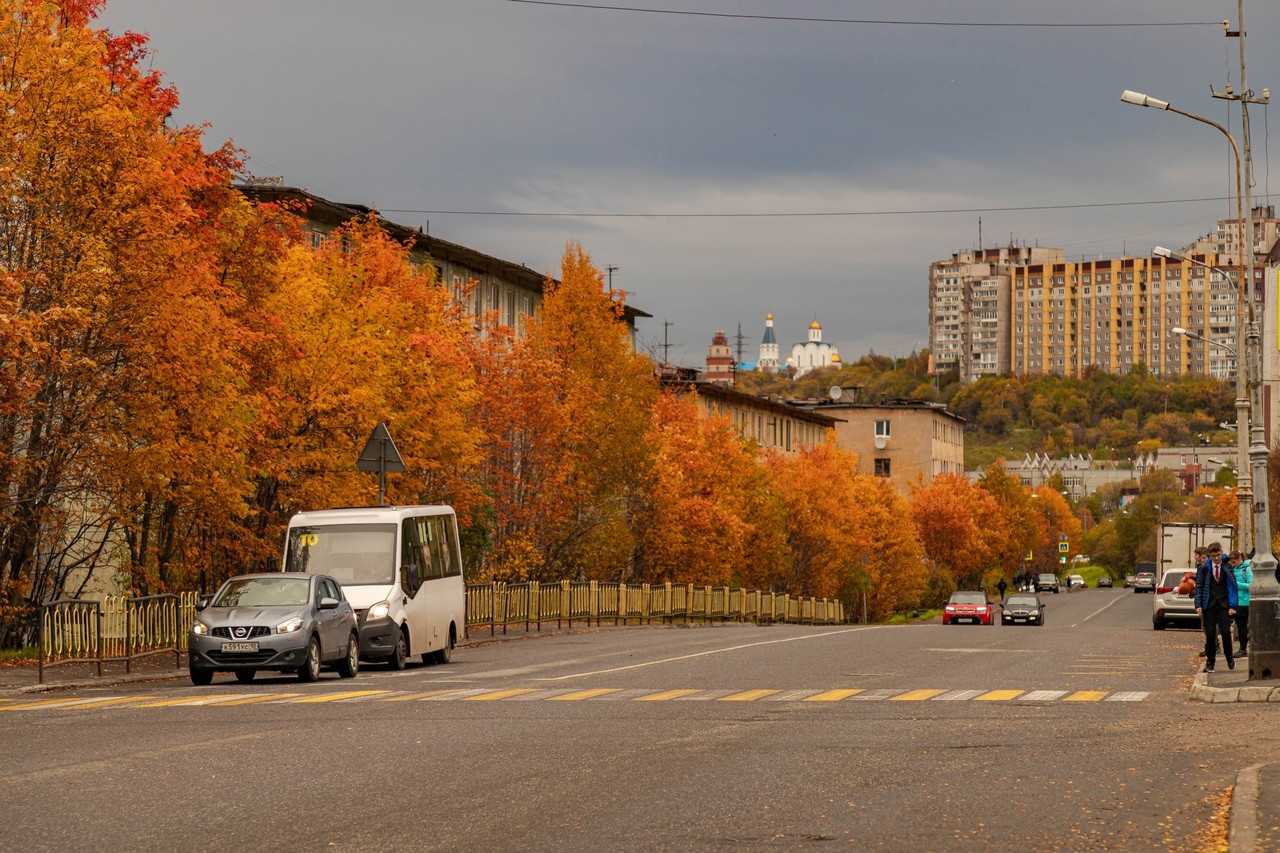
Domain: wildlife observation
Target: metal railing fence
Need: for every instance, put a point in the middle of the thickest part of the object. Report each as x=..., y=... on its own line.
x=114, y=629
x=502, y=605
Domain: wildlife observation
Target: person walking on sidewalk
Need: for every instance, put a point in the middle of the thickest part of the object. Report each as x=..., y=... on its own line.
x=1002, y=586
x=1242, y=568
x=1216, y=604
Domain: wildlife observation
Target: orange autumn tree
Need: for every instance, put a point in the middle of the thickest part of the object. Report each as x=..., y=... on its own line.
x=953, y=519
x=356, y=335
x=565, y=412
x=1056, y=520
x=845, y=536
x=118, y=406
x=708, y=513
x=1017, y=532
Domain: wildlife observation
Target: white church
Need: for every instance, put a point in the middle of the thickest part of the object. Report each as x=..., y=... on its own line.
x=806, y=356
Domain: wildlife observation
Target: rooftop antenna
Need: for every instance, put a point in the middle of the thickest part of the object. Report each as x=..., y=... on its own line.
x=979, y=235
x=610, y=270
x=738, y=338
x=666, y=345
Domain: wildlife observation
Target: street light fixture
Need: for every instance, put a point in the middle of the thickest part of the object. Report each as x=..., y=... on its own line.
x=1264, y=607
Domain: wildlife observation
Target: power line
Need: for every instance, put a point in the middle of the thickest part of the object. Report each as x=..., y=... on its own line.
x=895, y=23
x=778, y=214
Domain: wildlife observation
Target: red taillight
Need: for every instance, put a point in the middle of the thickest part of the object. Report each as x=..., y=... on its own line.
x=1161, y=590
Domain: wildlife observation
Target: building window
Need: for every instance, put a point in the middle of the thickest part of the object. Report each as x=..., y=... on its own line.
x=882, y=468
x=882, y=430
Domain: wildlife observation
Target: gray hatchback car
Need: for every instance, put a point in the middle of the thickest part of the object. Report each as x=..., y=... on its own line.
x=282, y=622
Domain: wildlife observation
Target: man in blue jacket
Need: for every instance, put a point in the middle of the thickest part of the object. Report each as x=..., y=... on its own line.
x=1216, y=598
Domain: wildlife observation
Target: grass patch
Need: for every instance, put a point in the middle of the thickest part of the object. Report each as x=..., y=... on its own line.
x=19, y=655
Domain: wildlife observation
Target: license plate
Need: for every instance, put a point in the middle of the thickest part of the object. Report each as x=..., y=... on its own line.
x=239, y=647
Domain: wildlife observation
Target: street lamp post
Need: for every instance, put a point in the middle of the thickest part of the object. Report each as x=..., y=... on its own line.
x=1264, y=604
x=1244, y=491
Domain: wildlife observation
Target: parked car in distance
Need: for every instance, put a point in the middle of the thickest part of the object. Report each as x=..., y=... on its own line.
x=1169, y=607
x=1047, y=583
x=1144, y=582
x=1024, y=607
x=1104, y=582
x=968, y=606
x=1128, y=581
x=284, y=622
x=1076, y=582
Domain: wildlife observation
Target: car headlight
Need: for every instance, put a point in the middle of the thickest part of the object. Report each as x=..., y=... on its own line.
x=199, y=628
x=379, y=610
x=1033, y=613
x=290, y=626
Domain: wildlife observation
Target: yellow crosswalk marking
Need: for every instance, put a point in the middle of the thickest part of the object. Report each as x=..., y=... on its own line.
x=408, y=696
x=334, y=697
x=834, y=695
x=998, y=695
x=665, y=695
x=583, y=694
x=190, y=700
x=747, y=696
x=499, y=694
x=253, y=700
x=102, y=703
x=1085, y=696
x=916, y=695
x=41, y=703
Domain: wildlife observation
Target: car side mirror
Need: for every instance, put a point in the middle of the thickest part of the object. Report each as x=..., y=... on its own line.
x=202, y=603
x=327, y=603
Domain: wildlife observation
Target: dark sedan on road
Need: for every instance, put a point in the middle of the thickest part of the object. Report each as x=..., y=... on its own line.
x=1047, y=583
x=1023, y=607
x=1104, y=582
x=285, y=622
x=1144, y=582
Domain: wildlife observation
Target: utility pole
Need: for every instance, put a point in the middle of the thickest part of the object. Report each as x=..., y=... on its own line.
x=666, y=345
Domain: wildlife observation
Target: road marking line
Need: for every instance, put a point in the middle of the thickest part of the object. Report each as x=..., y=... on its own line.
x=190, y=700
x=47, y=703
x=336, y=697
x=665, y=695
x=703, y=695
x=255, y=698
x=873, y=695
x=541, y=694
x=956, y=695
x=1130, y=696
x=584, y=694
x=998, y=696
x=450, y=695
x=102, y=703
x=410, y=696
x=748, y=696
x=1042, y=695
x=916, y=695
x=718, y=651
x=495, y=695
x=1086, y=696
x=834, y=695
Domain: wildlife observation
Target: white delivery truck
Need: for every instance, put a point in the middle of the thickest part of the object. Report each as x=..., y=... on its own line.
x=1176, y=547
x=399, y=566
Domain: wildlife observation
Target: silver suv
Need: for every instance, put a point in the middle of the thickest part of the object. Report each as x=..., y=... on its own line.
x=1168, y=607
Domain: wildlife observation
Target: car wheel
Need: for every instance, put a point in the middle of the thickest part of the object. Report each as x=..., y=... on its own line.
x=200, y=676
x=399, y=655
x=244, y=676
x=350, y=663
x=310, y=671
x=1157, y=623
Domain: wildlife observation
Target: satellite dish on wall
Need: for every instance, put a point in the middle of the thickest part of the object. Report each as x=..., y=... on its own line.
x=836, y=392
x=881, y=442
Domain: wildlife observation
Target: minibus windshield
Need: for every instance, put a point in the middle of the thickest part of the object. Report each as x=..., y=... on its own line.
x=352, y=554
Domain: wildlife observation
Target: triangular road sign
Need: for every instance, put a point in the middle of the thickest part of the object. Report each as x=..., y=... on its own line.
x=380, y=453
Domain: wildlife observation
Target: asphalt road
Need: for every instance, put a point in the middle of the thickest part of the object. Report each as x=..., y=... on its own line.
x=1073, y=736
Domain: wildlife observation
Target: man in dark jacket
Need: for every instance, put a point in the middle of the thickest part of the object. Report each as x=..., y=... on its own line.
x=1216, y=598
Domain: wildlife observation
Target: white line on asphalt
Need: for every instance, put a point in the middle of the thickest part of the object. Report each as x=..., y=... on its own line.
x=1099, y=610
x=711, y=652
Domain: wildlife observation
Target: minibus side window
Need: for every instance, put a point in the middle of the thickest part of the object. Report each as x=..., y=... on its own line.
x=410, y=557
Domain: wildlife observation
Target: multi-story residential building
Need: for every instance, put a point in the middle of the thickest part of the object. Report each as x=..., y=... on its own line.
x=906, y=441
x=772, y=424
x=969, y=308
x=511, y=290
x=1026, y=311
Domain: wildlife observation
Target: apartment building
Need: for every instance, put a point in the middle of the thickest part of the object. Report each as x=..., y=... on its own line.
x=969, y=300
x=1019, y=310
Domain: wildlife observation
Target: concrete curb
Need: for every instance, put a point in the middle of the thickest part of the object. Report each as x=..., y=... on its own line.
x=1203, y=691
x=1242, y=829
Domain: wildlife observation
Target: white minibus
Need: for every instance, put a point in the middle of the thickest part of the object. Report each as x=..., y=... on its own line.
x=401, y=569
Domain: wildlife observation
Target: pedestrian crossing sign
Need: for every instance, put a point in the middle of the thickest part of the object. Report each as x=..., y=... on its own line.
x=1063, y=547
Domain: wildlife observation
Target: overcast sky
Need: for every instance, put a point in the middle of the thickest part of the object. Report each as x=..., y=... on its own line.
x=730, y=166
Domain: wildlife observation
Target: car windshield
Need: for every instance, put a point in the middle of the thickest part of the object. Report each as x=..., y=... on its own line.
x=968, y=598
x=264, y=592
x=351, y=554
x=1022, y=601
x=1049, y=578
